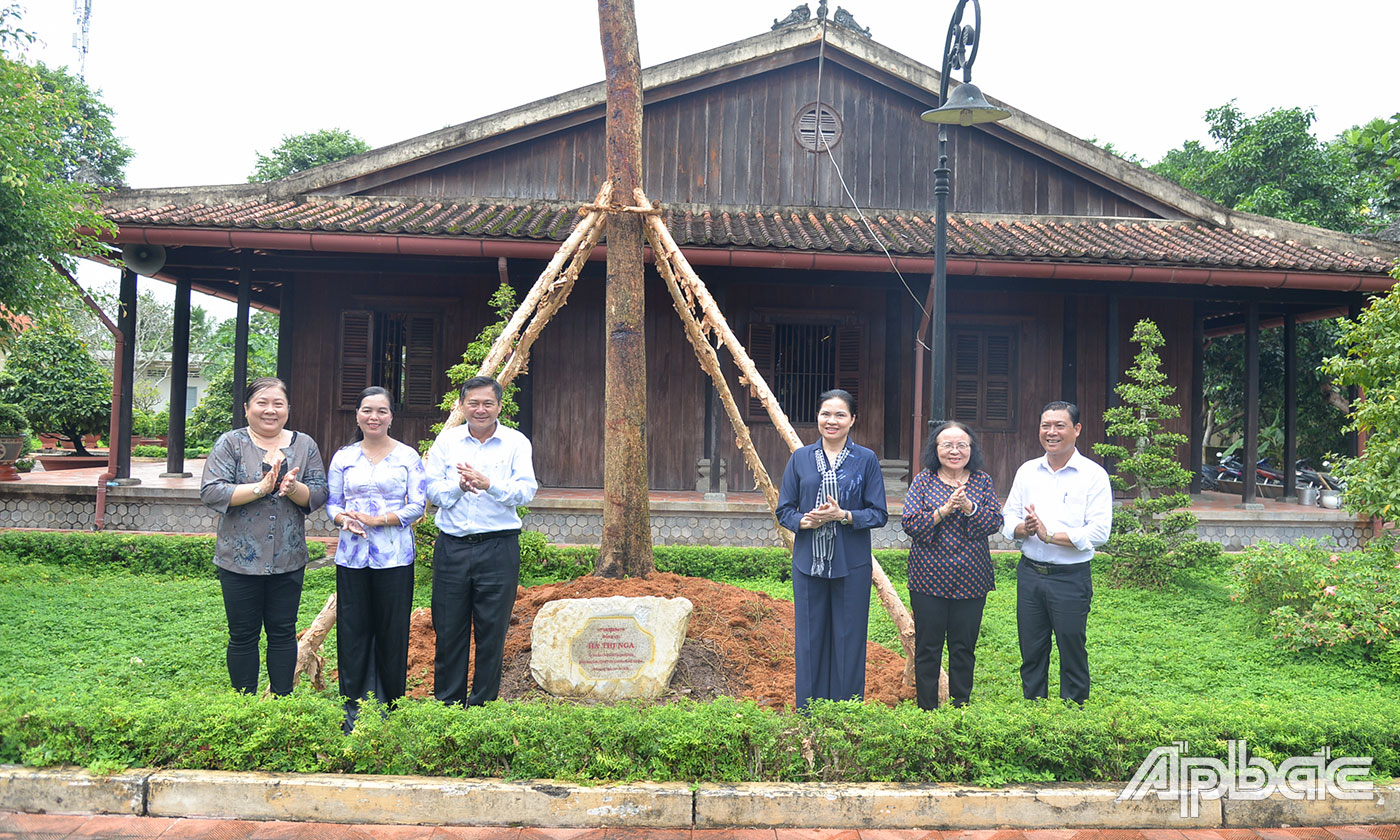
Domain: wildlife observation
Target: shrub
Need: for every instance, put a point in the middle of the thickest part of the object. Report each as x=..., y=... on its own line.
x=1152, y=538
x=154, y=554
x=147, y=451
x=1311, y=596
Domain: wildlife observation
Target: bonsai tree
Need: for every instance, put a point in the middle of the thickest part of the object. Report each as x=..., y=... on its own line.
x=1152, y=536
x=61, y=387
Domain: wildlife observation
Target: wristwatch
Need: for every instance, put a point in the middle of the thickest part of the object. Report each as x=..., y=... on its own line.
x=849, y=520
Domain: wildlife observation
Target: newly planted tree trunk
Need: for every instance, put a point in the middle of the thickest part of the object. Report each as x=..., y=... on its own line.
x=625, y=549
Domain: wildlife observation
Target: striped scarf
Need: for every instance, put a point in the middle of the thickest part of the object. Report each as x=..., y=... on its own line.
x=824, y=540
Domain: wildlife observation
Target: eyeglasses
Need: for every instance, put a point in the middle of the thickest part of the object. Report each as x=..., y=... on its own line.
x=954, y=447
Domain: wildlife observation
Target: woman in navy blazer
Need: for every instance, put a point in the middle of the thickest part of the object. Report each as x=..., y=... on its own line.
x=833, y=494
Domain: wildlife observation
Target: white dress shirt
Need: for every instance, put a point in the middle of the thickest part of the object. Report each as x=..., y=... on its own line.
x=504, y=458
x=1076, y=499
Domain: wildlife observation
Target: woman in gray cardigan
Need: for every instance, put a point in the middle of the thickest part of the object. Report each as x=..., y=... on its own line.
x=264, y=479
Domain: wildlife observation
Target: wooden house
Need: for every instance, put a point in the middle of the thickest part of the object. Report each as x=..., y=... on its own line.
x=381, y=264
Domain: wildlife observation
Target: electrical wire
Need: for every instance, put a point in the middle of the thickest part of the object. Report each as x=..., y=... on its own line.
x=824, y=146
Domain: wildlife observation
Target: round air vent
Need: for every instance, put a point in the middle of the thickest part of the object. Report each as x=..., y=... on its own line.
x=817, y=128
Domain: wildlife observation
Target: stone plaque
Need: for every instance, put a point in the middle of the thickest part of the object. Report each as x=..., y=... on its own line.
x=612, y=647
x=608, y=648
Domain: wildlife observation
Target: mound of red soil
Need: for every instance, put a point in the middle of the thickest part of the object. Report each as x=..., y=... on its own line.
x=740, y=643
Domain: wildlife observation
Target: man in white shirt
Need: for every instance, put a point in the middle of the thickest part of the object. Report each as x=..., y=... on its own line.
x=1059, y=510
x=477, y=474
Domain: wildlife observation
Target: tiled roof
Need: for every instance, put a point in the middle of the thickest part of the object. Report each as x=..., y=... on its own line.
x=1059, y=238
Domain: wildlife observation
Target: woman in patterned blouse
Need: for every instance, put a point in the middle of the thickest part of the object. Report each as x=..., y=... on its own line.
x=949, y=512
x=377, y=490
x=264, y=479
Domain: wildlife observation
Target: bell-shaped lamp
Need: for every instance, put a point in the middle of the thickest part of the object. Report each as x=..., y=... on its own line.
x=965, y=106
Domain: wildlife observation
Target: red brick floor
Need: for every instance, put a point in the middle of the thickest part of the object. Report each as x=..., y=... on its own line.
x=51, y=827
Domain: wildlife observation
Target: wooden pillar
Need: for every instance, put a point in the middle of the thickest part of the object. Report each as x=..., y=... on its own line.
x=894, y=322
x=1111, y=366
x=714, y=411
x=1198, y=394
x=1354, y=444
x=240, y=344
x=179, y=383
x=625, y=549
x=1069, y=350
x=1290, y=407
x=126, y=322
x=286, y=320
x=1251, y=404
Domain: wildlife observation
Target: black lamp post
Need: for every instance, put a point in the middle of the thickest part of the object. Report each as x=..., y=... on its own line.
x=967, y=106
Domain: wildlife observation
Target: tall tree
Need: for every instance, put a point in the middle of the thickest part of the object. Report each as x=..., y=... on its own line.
x=297, y=152
x=625, y=549
x=1272, y=165
x=1375, y=150
x=56, y=148
x=61, y=387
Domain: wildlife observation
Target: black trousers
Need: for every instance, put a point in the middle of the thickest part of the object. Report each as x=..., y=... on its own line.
x=473, y=593
x=371, y=631
x=253, y=603
x=1054, y=603
x=833, y=619
x=959, y=620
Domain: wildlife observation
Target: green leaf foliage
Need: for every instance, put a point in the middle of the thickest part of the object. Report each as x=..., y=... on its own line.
x=62, y=389
x=299, y=152
x=57, y=154
x=1272, y=165
x=1370, y=359
x=1152, y=536
x=140, y=682
x=1375, y=149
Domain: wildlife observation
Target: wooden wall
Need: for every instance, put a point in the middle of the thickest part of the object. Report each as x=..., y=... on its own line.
x=734, y=144
x=318, y=299
x=566, y=371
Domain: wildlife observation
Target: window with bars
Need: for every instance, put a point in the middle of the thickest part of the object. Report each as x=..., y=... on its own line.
x=801, y=360
x=394, y=350
x=984, y=377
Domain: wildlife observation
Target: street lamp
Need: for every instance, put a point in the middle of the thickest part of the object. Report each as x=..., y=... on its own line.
x=966, y=106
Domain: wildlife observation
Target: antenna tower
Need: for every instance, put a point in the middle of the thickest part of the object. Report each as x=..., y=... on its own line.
x=82, y=10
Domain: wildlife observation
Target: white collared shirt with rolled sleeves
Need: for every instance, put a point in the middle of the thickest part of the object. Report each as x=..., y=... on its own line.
x=504, y=458
x=1076, y=499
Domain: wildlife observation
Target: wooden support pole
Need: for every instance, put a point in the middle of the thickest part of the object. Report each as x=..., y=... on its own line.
x=667, y=253
x=625, y=545
x=310, y=662
x=709, y=361
x=553, y=301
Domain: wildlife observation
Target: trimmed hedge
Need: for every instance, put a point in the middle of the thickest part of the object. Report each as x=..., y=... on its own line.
x=713, y=562
x=723, y=741
x=153, y=554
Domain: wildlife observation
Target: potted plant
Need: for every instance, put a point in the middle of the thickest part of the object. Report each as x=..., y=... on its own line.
x=14, y=434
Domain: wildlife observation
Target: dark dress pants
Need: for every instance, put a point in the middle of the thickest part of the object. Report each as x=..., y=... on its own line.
x=833, y=618
x=473, y=593
x=373, y=607
x=253, y=603
x=1055, y=603
x=959, y=620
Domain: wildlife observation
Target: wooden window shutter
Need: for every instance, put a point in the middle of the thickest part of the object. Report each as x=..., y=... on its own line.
x=850, y=344
x=983, y=380
x=763, y=353
x=420, y=362
x=356, y=367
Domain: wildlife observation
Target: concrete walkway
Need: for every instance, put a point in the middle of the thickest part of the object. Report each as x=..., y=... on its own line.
x=53, y=827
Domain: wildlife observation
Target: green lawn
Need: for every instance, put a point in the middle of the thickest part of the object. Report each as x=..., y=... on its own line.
x=84, y=650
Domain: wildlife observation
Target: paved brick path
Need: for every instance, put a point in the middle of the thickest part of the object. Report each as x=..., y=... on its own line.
x=50, y=827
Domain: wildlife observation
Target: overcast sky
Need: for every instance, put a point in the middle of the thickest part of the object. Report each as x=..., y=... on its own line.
x=199, y=87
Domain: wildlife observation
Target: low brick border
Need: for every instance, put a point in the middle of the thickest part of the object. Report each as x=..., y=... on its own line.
x=417, y=800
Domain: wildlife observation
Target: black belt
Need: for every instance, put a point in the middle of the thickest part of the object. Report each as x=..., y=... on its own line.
x=484, y=536
x=1051, y=568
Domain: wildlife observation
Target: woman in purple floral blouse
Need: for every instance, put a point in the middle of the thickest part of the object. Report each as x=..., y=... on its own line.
x=377, y=491
x=949, y=511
